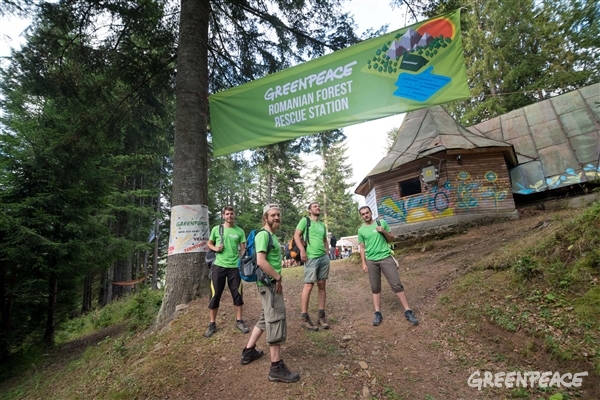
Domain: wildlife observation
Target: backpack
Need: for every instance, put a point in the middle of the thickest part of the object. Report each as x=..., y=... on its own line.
x=211, y=256
x=248, y=267
x=293, y=248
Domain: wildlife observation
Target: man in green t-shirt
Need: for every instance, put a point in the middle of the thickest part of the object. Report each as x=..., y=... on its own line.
x=272, y=318
x=228, y=249
x=377, y=257
x=316, y=263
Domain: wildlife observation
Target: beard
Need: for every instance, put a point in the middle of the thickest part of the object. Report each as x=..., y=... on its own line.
x=274, y=225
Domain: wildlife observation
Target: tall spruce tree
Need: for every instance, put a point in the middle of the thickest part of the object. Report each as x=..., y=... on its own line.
x=280, y=181
x=236, y=42
x=82, y=115
x=331, y=184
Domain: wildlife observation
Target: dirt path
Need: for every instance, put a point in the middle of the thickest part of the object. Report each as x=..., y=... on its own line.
x=353, y=359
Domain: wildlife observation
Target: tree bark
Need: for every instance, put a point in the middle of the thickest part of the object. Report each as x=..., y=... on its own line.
x=51, y=312
x=86, y=303
x=184, y=278
x=156, y=242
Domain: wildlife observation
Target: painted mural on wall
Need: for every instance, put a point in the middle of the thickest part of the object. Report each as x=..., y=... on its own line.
x=437, y=202
x=493, y=190
x=569, y=177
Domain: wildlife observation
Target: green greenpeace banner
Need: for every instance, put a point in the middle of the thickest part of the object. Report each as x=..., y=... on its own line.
x=411, y=68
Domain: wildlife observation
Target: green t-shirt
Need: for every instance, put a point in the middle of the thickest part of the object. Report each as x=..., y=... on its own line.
x=232, y=238
x=376, y=247
x=316, y=234
x=261, y=242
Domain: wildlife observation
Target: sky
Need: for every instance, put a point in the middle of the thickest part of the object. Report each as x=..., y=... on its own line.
x=367, y=141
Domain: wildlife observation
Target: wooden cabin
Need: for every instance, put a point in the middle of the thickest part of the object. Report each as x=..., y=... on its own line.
x=440, y=174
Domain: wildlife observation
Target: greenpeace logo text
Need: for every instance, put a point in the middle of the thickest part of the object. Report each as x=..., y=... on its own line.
x=524, y=379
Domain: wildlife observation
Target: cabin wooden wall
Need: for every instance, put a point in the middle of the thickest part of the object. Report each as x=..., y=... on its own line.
x=477, y=184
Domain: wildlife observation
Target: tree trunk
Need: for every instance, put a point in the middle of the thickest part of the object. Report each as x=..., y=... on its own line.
x=156, y=243
x=184, y=279
x=6, y=297
x=86, y=303
x=50, y=316
x=127, y=275
x=116, y=275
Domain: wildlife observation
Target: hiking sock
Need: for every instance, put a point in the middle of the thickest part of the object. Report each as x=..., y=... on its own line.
x=321, y=313
x=304, y=315
x=276, y=363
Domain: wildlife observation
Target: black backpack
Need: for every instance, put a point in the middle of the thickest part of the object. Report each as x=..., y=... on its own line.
x=293, y=248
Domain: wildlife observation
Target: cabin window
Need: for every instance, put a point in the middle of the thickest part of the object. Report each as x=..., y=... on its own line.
x=410, y=187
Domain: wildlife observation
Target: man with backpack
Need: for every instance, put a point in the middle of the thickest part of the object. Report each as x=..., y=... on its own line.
x=311, y=238
x=332, y=248
x=377, y=257
x=272, y=318
x=228, y=241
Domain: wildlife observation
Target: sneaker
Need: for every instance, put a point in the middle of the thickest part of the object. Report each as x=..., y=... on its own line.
x=249, y=355
x=212, y=328
x=242, y=326
x=322, y=321
x=410, y=316
x=280, y=373
x=307, y=323
x=378, y=318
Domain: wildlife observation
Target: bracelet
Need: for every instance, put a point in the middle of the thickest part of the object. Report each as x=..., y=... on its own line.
x=279, y=280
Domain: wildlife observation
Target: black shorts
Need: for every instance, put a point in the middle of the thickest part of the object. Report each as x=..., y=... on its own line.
x=220, y=276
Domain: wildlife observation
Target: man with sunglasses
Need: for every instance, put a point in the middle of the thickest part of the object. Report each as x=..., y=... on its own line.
x=377, y=257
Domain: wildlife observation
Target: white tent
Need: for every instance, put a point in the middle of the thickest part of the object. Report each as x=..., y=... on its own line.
x=343, y=243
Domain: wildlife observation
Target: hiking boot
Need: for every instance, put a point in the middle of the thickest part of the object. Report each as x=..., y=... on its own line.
x=411, y=317
x=249, y=355
x=241, y=326
x=307, y=323
x=322, y=321
x=212, y=328
x=378, y=318
x=280, y=373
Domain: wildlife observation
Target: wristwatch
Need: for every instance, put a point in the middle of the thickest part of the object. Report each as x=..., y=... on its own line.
x=279, y=280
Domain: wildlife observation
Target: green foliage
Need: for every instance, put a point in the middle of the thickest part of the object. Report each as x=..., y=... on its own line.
x=142, y=308
x=391, y=394
x=138, y=310
x=83, y=153
x=391, y=137
x=588, y=307
x=279, y=167
x=331, y=186
x=525, y=267
x=515, y=51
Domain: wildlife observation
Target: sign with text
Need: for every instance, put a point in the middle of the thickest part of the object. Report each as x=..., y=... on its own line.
x=408, y=69
x=189, y=229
